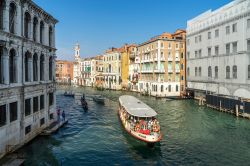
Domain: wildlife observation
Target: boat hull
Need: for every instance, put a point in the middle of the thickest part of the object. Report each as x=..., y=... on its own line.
x=140, y=136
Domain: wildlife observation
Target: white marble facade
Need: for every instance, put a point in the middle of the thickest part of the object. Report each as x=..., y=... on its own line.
x=218, y=51
x=27, y=72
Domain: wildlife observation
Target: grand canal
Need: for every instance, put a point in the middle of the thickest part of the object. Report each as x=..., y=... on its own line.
x=193, y=135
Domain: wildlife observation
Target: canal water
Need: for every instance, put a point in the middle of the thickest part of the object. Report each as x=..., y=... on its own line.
x=193, y=135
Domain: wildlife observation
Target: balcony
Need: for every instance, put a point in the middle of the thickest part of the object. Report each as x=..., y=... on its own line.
x=170, y=70
x=146, y=71
x=177, y=59
x=170, y=58
x=159, y=70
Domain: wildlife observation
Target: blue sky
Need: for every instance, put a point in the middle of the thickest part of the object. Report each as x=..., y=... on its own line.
x=100, y=24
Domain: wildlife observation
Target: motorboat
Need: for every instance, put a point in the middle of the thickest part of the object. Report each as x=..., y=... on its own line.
x=139, y=120
x=69, y=94
x=99, y=99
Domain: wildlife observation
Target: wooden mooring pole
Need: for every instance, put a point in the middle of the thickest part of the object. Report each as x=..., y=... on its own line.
x=237, y=110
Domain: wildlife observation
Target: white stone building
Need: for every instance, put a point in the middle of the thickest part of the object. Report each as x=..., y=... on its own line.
x=112, y=69
x=218, y=51
x=27, y=72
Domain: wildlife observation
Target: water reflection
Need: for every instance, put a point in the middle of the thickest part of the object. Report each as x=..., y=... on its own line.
x=193, y=135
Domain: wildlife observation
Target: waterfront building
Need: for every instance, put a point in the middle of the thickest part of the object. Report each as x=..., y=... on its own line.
x=27, y=72
x=128, y=53
x=86, y=71
x=218, y=51
x=134, y=69
x=162, y=65
x=64, y=71
x=112, y=69
x=96, y=71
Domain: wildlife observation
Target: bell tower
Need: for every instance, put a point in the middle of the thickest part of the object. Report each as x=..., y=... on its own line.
x=77, y=51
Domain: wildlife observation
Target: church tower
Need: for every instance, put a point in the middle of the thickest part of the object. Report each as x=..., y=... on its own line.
x=77, y=51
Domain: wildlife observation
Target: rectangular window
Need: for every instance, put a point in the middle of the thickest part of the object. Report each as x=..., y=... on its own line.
x=51, y=116
x=248, y=71
x=216, y=72
x=27, y=107
x=248, y=23
x=234, y=47
x=27, y=129
x=209, y=35
x=227, y=30
x=248, y=45
x=216, y=33
x=13, y=111
x=51, y=99
x=2, y=115
x=200, y=53
x=216, y=50
x=42, y=121
x=209, y=51
x=35, y=104
x=196, y=54
x=228, y=48
x=234, y=27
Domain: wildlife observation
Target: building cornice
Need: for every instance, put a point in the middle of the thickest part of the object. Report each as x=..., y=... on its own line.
x=246, y=14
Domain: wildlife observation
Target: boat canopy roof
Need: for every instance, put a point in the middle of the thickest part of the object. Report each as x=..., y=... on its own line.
x=135, y=107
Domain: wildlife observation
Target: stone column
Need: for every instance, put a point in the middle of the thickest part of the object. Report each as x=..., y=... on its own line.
x=19, y=21
x=30, y=69
x=16, y=62
x=6, y=18
x=54, y=37
x=46, y=34
x=6, y=76
x=19, y=66
x=38, y=32
x=31, y=29
x=38, y=70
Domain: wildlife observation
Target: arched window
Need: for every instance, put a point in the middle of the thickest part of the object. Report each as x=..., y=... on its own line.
x=50, y=68
x=27, y=20
x=216, y=70
x=196, y=71
x=41, y=32
x=42, y=67
x=177, y=88
x=26, y=66
x=162, y=88
x=200, y=71
x=12, y=66
x=35, y=22
x=209, y=71
x=227, y=72
x=234, y=71
x=35, y=68
x=50, y=36
x=2, y=7
x=12, y=18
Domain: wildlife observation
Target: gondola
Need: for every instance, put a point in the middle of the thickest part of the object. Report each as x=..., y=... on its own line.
x=84, y=103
